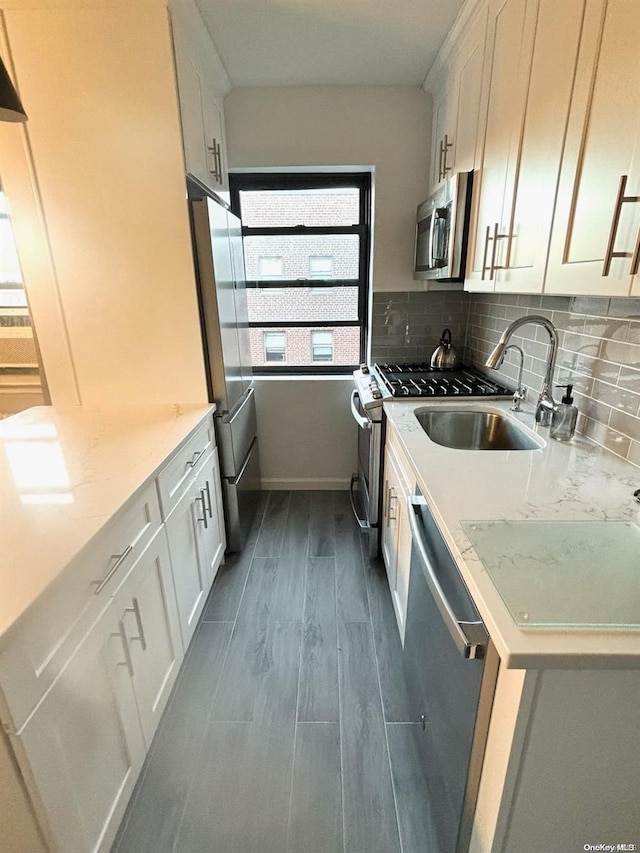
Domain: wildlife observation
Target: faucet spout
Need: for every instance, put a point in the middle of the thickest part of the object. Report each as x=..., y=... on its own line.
x=546, y=404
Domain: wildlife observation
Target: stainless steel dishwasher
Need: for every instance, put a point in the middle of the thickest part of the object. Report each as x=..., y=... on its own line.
x=451, y=669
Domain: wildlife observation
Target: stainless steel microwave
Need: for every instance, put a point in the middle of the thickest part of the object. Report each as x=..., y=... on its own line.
x=442, y=230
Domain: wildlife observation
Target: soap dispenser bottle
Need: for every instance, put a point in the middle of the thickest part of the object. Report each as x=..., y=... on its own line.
x=563, y=422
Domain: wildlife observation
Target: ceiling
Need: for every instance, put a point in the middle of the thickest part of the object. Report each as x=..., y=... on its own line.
x=328, y=42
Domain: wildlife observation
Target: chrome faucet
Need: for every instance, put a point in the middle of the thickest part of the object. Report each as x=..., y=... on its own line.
x=546, y=404
x=521, y=392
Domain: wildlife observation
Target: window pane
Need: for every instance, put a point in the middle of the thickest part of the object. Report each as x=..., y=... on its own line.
x=299, y=347
x=296, y=253
x=287, y=208
x=274, y=347
x=302, y=304
x=321, y=266
x=269, y=267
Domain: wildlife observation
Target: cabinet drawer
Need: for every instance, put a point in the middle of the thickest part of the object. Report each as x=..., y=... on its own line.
x=53, y=628
x=176, y=475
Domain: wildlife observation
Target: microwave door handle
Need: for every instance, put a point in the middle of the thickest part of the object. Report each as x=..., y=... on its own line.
x=363, y=423
x=432, y=233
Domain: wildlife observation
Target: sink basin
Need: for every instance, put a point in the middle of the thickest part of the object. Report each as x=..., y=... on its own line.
x=470, y=429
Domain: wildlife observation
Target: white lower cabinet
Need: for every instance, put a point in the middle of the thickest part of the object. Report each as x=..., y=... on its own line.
x=196, y=541
x=396, y=533
x=83, y=747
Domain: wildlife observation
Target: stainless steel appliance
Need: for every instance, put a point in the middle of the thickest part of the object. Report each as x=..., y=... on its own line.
x=366, y=408
x=217, y=240
x=451, y=668
x=442, y=230
x=386, y=382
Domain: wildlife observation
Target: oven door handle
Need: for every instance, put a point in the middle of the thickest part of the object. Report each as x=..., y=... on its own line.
x=363, y=422
x=470, y=637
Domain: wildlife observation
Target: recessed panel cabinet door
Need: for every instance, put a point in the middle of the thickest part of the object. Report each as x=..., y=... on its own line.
x=507, y=65
x=84, y=745
x=150, y=622
x=601, y=147
x=189, y=574
x=211, y=536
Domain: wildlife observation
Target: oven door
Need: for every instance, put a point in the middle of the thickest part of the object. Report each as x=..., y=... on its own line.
x=365, y=483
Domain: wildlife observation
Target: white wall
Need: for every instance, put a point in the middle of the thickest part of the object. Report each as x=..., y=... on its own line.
x=388, y=127
x=308, y=438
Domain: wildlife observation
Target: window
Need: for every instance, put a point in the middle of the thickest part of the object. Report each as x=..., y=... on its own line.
x=306, y=245
x=321, y=266
x=321, y=346
x=270, y=267
x=274, y=346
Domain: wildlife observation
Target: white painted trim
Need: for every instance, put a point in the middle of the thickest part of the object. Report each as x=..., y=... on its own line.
x=466, y=14
x=277, y=484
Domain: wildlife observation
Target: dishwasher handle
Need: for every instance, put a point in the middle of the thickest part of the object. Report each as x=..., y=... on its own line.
x=470, y=637
x=363, y=422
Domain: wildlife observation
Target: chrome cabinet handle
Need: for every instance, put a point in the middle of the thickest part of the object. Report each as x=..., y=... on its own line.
x=391, y=496
x=214, y=148
x=192, y=462
x=136, y=612
x=203, y=500
x=219, y=161
x=119, y=559
x=445, y=147
x=489, y=238
x=470, y=637
x=208, y=491
x=125, y=648
x=440, y=173
x=621, y=199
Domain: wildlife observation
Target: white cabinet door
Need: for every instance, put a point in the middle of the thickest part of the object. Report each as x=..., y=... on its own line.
x=84, y=745
x=190, y=578
x=210, y=534
x=602, y=146
x=507, y=64
x=149, y=619
x=396, y=534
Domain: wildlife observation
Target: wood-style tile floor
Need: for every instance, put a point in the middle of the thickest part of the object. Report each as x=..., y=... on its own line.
x=287, y=731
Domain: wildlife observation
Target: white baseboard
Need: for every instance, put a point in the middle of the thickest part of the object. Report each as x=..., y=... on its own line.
x=322, y=484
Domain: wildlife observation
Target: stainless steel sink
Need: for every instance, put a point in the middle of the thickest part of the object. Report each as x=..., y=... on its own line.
x=467, y=429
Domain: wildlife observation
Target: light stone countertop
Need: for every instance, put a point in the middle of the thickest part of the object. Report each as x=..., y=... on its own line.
x=562, y=481
x=64, y=472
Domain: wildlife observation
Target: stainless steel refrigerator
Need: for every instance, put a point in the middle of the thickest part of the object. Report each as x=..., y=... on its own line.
x=217, y=241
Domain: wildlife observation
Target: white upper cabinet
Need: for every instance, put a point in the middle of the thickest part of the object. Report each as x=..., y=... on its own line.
x=455, y=84
x=597, y=222
x=202, y=85
x=531, y=59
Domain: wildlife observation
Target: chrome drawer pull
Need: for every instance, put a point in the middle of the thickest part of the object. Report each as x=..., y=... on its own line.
x=119, y=558
x=125, y=648
x=191, y=462
x=136, y=611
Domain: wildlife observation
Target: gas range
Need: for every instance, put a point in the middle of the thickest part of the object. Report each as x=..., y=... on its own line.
x=422, y=380
x=407, y=381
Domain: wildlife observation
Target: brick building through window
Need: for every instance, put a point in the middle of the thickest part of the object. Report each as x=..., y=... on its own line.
x=306, y=246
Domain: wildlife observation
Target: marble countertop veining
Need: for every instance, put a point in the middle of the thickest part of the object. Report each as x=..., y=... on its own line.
x=64, y=472
x=561, y=481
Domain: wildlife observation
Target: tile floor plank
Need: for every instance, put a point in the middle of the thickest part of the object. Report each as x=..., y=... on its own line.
x=321, y=536
x=260, y=675
x=239, y=800
x=273, y=525
x=318, y=689
x=369, y=809
x=151, y=822
x=353, y=604
x=315, y=823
